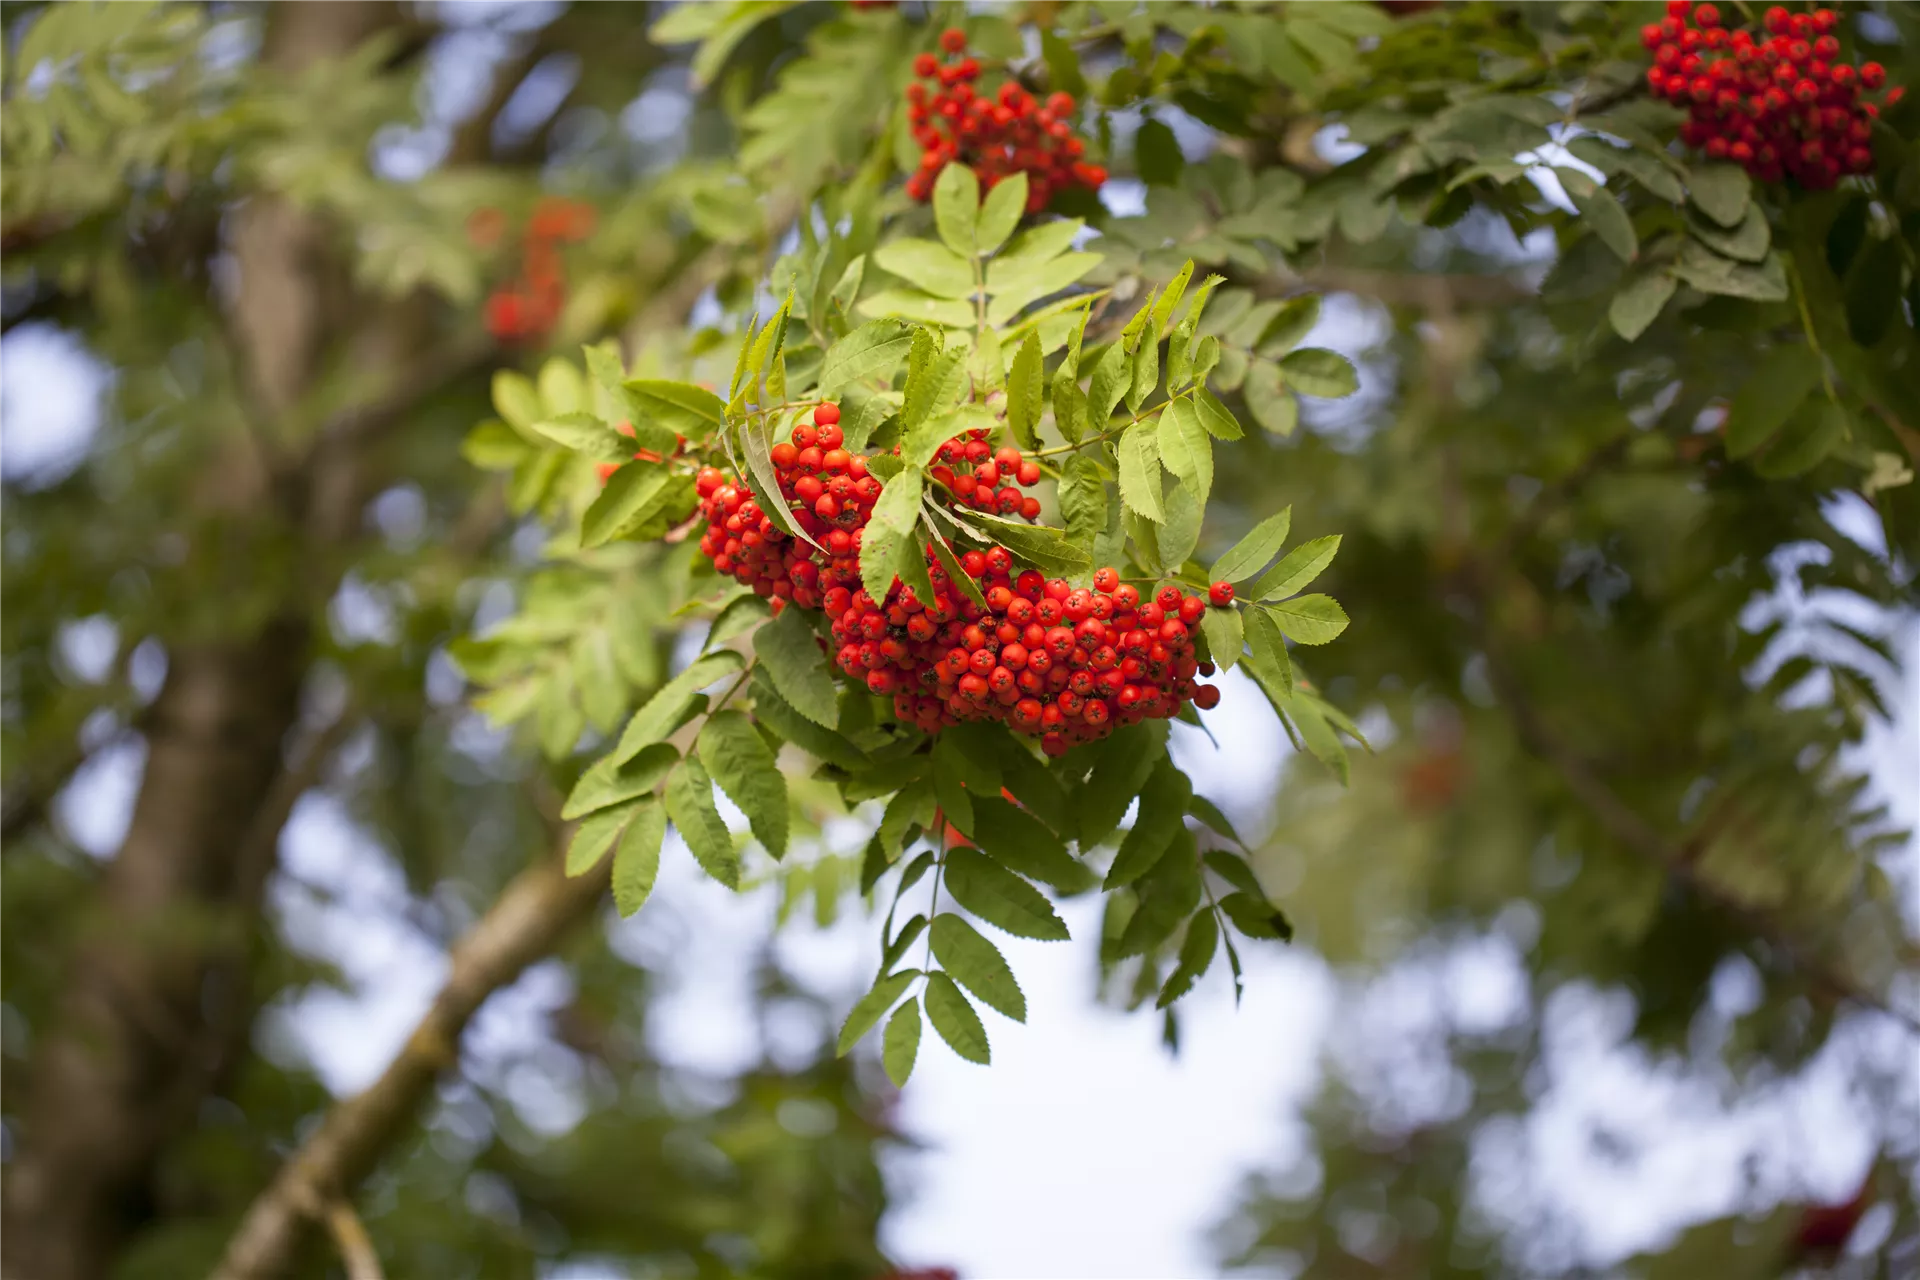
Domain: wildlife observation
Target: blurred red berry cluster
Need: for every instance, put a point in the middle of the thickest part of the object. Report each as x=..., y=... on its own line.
x=526, y=307
x=1064, y=664
x=996, y=136
x=1781, y=104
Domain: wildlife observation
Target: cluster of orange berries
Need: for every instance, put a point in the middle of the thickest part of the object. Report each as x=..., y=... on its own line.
x=998, y=136
x=1780, y=106
x=1064, y=664
x=527, y=307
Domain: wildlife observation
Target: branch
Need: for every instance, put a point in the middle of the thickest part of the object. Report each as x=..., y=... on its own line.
x=537, y=909
x=1620, y=821
x=355, y=1245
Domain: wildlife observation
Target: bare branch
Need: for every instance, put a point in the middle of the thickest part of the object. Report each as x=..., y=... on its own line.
x=530, y=918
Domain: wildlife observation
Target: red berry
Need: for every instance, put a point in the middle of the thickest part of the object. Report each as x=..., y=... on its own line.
x=826, y=415
x=1207, y=697
x=1872, y=75
x=1221, y=593
x=925, y=66
x=953, y=39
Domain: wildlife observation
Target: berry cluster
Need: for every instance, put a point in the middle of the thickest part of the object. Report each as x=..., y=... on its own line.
x=1066, y=665
x=1780, y=106
x=1010, y=132
x=830, y=496
x=525, y=308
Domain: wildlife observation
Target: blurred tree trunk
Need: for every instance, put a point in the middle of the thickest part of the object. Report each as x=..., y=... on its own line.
x=143, y=1031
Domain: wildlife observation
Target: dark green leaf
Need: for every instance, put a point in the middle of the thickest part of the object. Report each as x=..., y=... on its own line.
x=607, y=783
x=1167, y=896
x=1163, y=809
x=1196, y=955
x=774, y=712
x=1233, y=868
x=1001, y=898
x=744, y=767
x=791, y=655
x=1603, y=212
x=1157, y=154
x=1042, y=547
x=1873, y=292
x=1769, y=395
x=950, y=1013
x=1721, y=191
x=901, y=1044
x=636, y=863
x=1639, y=304
x=690, y=804
x=1256, y=917
x=871, y=1007
x=977, y=965
x=1125, y=760
x=665, y=711
x=1020, y=842
x=1811, y=434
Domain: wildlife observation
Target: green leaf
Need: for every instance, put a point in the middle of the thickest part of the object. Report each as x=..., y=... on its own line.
x=953, y=1017
x=1122, y=765
x=791, y=655
x=1196, y=955
x=593, y=837
x=1251, y=554
x=679, y=406
x=516, y=400
x=495, y=446
x=1225, y=635
x=774, y=712
x=871, y=1007
x=1873, y=291
x=977, y=965
x=1267, y=659
x=740, y=615
x=929, y=266
x=901, y=1044
x=743, y=765
x=1299, y=567
x=1721, y=191
x=1273, y=406
x=956, y=208
x=874, y=349
x=1747, y=242
x=586, y=435
x=1024, y=388
x=1219, y=423
x=1146, y=368
x=1810, y=436
x=1180, y=348
x=1001, y=898
x=1140, y=471
x=1014, y=283
x=1185, y=448
x=1315, y=371
x=1157, y=156
x=1020, y=842
x=909, y=932
x=1313, y=619
x=1289, y=326
x=1112, y=376
x=636, y=863
x=1167, y=896
x=912, y=304
x=764, y=480
x=1639, y=304
x=1001, y=213
x=631, y=494
x=697, y=818
x=1042, y=547
x=1083, y=501
x=1769, y=395
x=1603, y=212
x=1230, y=866
x=608, y=783
x=1175, y=537
x=666, y=710
x=1163, y=808
x=887, y=538
x=956, y=573
x=1256, y=917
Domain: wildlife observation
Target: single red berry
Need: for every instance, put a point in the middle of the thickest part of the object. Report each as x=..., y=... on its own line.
x=1221, y=593
x=826, y=415
x=1207, y=697
x=926, y=66
x=1872, y=75
x=953, y=39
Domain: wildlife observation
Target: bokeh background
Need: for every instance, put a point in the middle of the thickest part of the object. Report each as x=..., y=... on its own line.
x=1498, y=1045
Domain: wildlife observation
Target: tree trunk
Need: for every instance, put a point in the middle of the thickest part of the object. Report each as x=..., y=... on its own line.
x=121, y=1074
